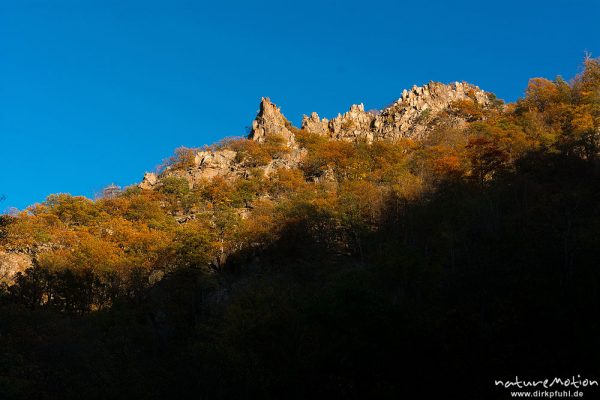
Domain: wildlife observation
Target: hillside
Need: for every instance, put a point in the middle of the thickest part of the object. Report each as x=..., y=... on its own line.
x=448, y=238
x=240, y=171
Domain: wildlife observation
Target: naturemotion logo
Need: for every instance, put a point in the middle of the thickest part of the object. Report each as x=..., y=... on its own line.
x=536, y=387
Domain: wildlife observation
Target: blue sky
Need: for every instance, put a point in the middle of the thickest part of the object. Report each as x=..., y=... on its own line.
x=95, y=92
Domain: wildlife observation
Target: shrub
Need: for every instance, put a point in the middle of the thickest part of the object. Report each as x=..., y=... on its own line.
x=183, y=158
x=469, y=109
x=254, y=154
x=175, y=185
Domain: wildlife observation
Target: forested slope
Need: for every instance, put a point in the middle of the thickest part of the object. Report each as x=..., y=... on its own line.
x=437, y=245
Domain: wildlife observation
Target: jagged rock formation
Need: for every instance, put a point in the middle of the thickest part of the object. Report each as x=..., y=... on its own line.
x=270, y=121
x=208, y=164
x=416, y=113
x=411, y=116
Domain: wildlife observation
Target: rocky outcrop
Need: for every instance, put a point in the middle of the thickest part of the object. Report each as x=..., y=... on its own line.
x=214, y=163
x=11, y=263
x=315, y=124
x=207, y=165
x=269, y=122
x=411, y=116
x=149, y=182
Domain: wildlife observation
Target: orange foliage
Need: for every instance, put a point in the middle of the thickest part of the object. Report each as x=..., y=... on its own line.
x=541, y=93
x=183, y=158
x=254, y=154
x=468, y=109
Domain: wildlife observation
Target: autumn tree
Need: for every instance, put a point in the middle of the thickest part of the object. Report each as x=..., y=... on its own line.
x=183, y=159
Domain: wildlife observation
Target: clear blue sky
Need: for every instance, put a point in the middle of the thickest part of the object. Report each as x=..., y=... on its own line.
x=94, y=92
